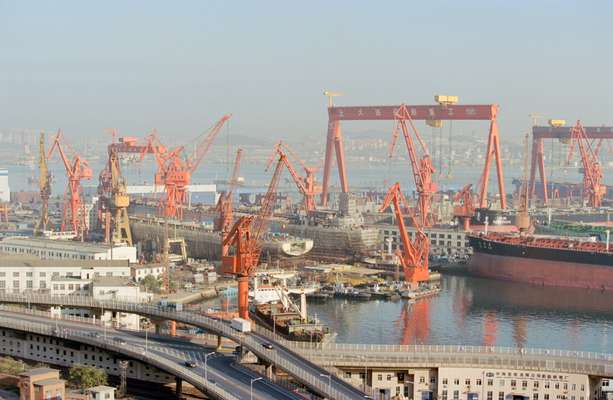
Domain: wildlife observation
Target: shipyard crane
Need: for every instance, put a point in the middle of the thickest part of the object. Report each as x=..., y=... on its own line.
x=44, y=185
x=414, y=255
x=223, y=221
x=175, y=167
x=593, y=188
x=465, y=209
x=244, y=241
x=306, y=184
x=76, y=170
x=422, y=168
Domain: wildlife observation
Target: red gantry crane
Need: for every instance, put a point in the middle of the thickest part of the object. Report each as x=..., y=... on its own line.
x=306, y=185
x=414, y=255
x=422, y=168
x=223, y=221
x=465, y=208
x=244, y=241
x=175, y=167
x=76, y=170
x=593, y=188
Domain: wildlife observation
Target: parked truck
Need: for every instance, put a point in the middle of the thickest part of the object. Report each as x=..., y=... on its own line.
x=241, y=325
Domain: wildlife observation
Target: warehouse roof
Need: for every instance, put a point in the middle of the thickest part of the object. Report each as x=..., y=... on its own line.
x=7, y=260
x=57, y=244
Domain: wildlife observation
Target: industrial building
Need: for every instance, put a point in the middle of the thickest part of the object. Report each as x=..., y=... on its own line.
x=472, y=384
x=21, y=274
x=49, y=249
x=443, y=241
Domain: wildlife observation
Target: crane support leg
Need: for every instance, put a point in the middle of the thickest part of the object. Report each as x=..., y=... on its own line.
x=243, y=297
x=332, y=127
x=493, y=149
x=340, y=159
x=540, y=156
x=533, y=161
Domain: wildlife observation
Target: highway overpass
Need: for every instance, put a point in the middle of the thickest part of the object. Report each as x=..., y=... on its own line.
x=316, y=378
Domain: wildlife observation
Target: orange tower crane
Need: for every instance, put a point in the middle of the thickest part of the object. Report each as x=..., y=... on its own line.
x=422, y=167
x=175, y=167
x=245, y=242
x=593, y=188
x=465, y=210
x=223, y=222
x=414, y=255
x=306, y=184
x=76, y=170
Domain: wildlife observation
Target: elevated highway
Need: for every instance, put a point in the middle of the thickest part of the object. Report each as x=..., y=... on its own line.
x=294, y=364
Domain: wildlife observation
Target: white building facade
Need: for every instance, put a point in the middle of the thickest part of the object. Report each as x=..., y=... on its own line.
x=50, y=249
x=5, y=190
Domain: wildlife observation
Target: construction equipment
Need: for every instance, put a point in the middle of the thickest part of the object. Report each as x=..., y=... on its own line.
x=593, y=188
x=465, y=208
x=76, y=170
x=4, y=212
x=120, y=201
x=421, y=167
x=223, y=221
x=306, y=184
x=175, y=167
x=44, y=185
x=414, y=255
x=244, y=241
x=440, y=112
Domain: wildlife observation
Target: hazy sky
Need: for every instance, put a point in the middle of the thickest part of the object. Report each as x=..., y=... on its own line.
x=178, y=65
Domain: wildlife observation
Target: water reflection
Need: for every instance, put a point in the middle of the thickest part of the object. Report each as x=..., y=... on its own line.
x=477, y=311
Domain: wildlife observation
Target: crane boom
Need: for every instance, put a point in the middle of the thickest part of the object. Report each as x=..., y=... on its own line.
x=421, y=168
x=203, y=147
x=223, y=222
x=245, y=237
x=44, y=185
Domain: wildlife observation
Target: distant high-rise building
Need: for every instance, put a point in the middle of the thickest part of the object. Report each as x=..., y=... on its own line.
x=5, y=191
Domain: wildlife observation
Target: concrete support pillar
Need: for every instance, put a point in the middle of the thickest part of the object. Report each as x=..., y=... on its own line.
x=219, y=338
x=172, y=328
x=270, y=373
x=178, y=387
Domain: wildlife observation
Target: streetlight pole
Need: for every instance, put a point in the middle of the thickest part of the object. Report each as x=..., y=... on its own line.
x=329, y=376
x=206, y=371
x=251, y=386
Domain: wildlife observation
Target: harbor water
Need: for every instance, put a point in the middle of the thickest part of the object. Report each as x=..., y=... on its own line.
x=475, y=311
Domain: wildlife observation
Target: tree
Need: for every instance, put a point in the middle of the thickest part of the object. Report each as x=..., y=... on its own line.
x=82, y=377
x=11, y=366
x=151, y=283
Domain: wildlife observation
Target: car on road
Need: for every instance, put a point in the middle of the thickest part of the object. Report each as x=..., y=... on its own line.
x=267, y=346
x=120, y=340
x=189, y=364
x=94, y=334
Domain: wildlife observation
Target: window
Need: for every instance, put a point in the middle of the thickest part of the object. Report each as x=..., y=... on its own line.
x=574, y=387
x=490, y=382
x=478, y=382
x=15, y=284
x=389, y=377
x=2, y=274
x=444, y=395
x=444, y=381
x=547, y=385
x=15, y=274
x=557, y=385
x=566, y=386
x=2, y=285
x=582, y=388
x=380, y=377
x=348, y=375
x=29, y=284
x=535, y=396
x=42, y=274
x=501, y=382
x=490, y=395
x=42, y=284
x=456, y=395
x=513, y=383
x=467, y=381
x=546, y=396
x=28, y=274
x=500, y=395
x=456, y=381
x=422, y=379
x=524, y=384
